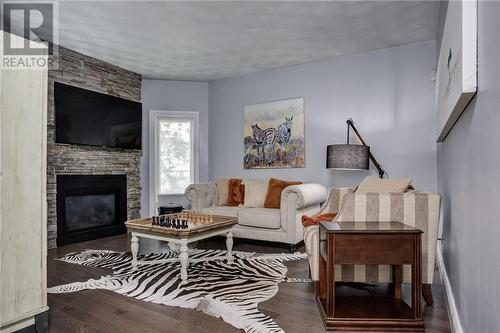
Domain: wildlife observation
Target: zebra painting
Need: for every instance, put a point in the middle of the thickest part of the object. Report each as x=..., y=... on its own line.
x=230, y=291
x=278, y=130
x=284, y=132
x=249, y=145
x=264, y=138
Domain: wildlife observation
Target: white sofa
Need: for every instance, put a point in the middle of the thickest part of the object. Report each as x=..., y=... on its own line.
x=281, y=225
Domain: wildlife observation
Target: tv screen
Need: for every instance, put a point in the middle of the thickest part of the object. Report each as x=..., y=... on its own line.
x=89, y=118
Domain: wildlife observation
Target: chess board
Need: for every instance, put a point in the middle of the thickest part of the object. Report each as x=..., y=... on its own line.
x=183, y=220
x=181, y=224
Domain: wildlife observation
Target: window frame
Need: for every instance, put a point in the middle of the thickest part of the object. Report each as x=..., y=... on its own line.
x=155, y=116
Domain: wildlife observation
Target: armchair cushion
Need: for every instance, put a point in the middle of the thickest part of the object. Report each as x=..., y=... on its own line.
x=376, y=185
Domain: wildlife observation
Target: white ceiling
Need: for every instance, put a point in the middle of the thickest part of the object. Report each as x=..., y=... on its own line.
x=203, y=41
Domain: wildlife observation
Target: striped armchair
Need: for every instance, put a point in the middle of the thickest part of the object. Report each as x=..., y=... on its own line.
x=417, y=209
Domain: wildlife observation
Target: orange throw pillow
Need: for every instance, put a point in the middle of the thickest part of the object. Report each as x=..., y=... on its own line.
x=236, y=192
x=313, y=220
x=274, y=189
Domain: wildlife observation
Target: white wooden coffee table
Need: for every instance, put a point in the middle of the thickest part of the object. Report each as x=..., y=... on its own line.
x=143, y=228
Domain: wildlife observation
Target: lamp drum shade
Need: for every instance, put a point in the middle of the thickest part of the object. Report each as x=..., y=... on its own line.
x=347, y=157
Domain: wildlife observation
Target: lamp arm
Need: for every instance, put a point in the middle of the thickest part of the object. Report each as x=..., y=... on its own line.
x=350, y=123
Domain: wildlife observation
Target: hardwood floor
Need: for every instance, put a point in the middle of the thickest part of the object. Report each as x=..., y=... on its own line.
x=294, y=307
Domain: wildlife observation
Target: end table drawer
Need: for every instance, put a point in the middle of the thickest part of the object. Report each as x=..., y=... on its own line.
x=374, y=249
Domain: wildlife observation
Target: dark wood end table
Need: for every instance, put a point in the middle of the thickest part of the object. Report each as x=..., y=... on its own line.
x=369, y=243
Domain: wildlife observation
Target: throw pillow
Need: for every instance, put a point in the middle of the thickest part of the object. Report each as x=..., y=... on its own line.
x=376, y=185
x=222, y=191
x=313, y=220
x=235, y=192
x=255, y=193
x=273, y=195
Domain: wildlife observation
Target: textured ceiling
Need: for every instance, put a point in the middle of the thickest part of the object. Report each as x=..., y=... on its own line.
x=204, y=41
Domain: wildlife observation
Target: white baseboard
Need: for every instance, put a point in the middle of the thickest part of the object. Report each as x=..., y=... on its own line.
x=456, y=325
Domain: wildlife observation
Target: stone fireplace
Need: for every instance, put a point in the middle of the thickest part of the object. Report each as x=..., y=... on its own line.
x=79, y=70
x=90, y=207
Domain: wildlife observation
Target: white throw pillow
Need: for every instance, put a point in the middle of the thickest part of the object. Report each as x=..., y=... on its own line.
x=222, y=191
x=376, y=185
x=255, y=192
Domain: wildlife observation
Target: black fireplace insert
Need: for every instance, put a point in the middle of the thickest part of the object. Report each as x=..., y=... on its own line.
x=90, y=207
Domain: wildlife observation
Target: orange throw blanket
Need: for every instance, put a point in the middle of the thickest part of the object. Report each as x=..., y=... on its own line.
x=313, y=220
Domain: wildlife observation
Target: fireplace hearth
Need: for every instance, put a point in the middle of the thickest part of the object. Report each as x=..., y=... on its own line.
x=90, y=207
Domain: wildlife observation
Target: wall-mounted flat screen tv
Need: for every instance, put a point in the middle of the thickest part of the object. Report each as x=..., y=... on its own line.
x=86, y=117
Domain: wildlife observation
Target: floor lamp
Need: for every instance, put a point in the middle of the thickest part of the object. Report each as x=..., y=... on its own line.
x=352, y=156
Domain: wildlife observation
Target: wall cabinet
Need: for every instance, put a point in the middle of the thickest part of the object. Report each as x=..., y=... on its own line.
x=23, y=208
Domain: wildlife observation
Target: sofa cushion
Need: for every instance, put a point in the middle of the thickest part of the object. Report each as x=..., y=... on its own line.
x=222, y=191
x=223, y=210
x=273, y=195
x=236, y=192
x=268, y=218
x=255, y=193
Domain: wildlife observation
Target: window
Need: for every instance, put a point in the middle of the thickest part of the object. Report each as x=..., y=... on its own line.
x=176, y=155
x=174, y=152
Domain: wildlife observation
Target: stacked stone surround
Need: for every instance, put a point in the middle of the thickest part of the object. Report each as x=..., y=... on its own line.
x=89, y=73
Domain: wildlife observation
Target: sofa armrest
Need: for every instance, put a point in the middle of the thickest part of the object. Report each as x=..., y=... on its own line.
x=201, y=195
x=305, y=195
x=298, y=200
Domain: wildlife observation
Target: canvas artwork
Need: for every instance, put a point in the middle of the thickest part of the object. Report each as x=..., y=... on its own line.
x=456, y=77
x=274, y=135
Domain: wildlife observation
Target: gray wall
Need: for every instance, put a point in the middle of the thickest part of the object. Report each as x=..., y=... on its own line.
x=469, y=178
x=388, y=93
x=172, y=96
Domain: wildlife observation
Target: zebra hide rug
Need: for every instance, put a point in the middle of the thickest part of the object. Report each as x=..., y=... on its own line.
x=231, y=291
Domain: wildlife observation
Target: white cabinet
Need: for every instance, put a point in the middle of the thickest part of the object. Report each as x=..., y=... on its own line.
x=23, y=209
